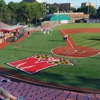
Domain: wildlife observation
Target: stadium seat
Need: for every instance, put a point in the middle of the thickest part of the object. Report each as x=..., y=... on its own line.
x=35, y=92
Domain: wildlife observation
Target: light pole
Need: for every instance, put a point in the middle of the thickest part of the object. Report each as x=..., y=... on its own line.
x=96, y=4
x=88, y=6
x=58, y=13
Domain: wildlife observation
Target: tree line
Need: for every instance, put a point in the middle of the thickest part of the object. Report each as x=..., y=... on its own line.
x=25, y=12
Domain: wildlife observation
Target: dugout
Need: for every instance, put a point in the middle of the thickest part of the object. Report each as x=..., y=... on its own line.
x=13, y=33
x=62, y=18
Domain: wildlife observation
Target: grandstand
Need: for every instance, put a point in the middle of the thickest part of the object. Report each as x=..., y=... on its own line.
x=32, y=91
x=11, y=33
x=1, y=33
x=3, y=25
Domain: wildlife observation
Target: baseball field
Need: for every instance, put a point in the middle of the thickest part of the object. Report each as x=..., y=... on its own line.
x=82, y=50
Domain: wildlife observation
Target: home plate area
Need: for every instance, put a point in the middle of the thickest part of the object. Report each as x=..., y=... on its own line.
x=39, y=62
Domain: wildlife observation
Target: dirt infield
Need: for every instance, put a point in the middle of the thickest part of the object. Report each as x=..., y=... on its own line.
x=72, y=50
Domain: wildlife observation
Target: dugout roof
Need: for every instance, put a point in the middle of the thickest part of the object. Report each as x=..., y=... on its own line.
x=56, y=17
x=48, y=17
x=12, y=28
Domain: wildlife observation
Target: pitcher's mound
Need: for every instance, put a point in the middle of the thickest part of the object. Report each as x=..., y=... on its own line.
x=77, y=52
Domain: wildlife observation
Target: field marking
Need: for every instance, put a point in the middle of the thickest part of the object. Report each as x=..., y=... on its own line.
x=72, y=52
x=67, y=39
x=82, y=52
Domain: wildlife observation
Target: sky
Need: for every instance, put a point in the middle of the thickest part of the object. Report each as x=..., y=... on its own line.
x=75, y=3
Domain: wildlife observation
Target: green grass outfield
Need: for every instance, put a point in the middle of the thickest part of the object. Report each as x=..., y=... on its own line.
x=85, y=74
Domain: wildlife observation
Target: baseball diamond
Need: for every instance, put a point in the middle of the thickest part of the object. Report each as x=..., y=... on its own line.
x=72, y=50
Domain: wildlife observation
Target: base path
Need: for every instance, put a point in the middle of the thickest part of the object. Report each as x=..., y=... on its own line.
x=72, y=50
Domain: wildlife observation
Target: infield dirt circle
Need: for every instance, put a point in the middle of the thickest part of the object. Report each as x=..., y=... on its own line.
x=72, y=50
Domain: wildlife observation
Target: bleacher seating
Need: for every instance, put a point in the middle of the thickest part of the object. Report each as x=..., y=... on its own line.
x=35, y=92
x=3, y=25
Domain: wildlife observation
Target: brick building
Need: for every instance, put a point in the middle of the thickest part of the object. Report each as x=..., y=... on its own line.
x=64, y=6
x=88, y=4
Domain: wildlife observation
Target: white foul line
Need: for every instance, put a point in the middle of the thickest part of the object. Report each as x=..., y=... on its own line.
x=68, y=39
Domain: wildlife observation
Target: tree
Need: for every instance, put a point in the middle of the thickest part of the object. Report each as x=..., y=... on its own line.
x=22, y=13
x=2, y=4
x=39, y=10
x=30, y=13
x=13, y=9
x=73, y=9
x=52, y=10
x=7, y=16
x=87, y=9
x=3, y=8
x=98, y=11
